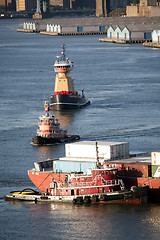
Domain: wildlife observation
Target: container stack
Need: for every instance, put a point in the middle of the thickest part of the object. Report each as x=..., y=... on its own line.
x=105, y=150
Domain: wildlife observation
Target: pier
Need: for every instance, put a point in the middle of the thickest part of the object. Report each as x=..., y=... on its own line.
x=151, y=44
x=121, y=41
x=28, y=30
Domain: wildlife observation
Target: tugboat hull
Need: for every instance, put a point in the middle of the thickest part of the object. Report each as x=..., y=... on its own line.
x=64, y=101
x=38, y=140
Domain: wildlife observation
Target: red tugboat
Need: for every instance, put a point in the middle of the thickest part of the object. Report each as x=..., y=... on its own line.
x=65, y=96
x=49, y=131
x=99, y=184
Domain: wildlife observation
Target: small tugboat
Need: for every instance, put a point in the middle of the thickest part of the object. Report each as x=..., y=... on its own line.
x=49, y=131
x=65, y=96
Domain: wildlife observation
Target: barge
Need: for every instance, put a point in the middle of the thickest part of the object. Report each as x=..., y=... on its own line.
x=98, y=185
x=97, y=172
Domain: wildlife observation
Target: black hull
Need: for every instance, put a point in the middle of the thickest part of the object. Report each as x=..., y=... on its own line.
x=64, y=101
x=38, y=140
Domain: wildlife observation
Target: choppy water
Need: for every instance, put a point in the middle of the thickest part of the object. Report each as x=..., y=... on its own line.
x=123, y=84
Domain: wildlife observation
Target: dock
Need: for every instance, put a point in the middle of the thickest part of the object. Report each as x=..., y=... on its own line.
x=28, y=30
x=151, y=44
x=60, y=34
x=121, y=41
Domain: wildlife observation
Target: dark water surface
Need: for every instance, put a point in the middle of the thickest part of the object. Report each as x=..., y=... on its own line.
x=123, y=85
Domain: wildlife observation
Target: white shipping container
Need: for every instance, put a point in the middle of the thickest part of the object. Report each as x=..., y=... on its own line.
x=155, y=158
x=106, y=150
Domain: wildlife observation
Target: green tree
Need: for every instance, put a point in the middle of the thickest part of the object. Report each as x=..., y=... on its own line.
x=117, y=12
x=134, y=1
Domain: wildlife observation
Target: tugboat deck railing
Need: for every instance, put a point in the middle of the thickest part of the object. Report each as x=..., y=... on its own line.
x=115, y=182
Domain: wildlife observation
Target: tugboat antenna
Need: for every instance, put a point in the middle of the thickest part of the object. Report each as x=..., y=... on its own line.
x=97, y=163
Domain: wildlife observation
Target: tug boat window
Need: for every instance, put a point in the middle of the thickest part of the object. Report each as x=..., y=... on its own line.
x=72, y=192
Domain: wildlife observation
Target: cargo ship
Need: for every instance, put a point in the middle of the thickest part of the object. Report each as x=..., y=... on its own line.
x=65, y=96
x=49, y=131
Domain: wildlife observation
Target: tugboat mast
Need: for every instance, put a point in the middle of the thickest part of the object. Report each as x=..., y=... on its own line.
x=64, y=52
x=97, y=155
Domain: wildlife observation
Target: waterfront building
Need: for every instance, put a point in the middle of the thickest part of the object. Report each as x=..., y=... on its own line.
x=54, y=28
x=140, y=27
x=118, y=33
x=126, y=33
x=75, y=29
x=29, y=25
x=156, y=36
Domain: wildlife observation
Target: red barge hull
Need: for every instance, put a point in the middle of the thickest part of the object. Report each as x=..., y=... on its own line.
x=42, y=180
x=140, y=175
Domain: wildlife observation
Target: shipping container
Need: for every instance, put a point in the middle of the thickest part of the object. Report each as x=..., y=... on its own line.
x=156, y=171
x=105, y=150
x=155, y=158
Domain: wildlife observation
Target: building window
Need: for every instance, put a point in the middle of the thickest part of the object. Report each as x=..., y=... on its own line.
x=110, y=34
x=117, y=35
x=102, y=28
x=79, y=29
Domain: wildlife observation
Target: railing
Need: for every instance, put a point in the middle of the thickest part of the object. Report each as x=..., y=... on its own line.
x=115, y=182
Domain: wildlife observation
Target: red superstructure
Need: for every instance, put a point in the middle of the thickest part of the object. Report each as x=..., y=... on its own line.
x=92, y=182
x=92, y=170
x=49, y=130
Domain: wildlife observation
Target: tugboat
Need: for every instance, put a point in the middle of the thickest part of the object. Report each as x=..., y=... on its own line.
x=49, y=131
x=97, y=184
x=65, y=96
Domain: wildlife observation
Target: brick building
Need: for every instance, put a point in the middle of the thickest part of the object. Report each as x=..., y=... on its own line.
x=146, y=8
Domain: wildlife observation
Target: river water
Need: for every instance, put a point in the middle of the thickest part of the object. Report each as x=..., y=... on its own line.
x=123, y=84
